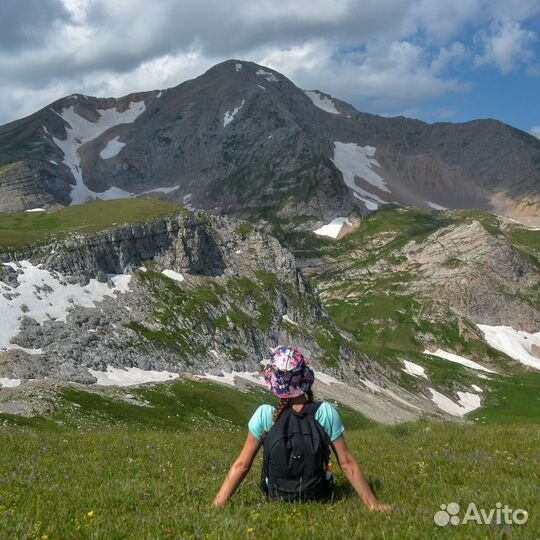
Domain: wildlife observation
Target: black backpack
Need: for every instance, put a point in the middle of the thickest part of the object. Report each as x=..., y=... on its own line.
x=296, y=455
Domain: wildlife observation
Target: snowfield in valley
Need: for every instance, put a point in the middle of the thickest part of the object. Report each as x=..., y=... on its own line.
x=515, y=343
x=451, y=357
x=333, y=228
x=468, y=402
x=130, y=376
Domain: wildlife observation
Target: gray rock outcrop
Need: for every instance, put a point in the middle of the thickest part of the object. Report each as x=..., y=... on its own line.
x=241, y=295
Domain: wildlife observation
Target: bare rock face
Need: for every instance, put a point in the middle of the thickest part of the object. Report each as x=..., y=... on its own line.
x=477, y=274
x=20, y=189
x=535, y=350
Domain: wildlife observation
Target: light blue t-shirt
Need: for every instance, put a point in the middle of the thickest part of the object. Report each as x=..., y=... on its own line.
x=326, y=415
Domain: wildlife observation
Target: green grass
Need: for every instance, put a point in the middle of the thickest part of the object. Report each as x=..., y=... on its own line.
x=142, y=480
x=27, y=228
x=5, y=169
x=526, y=241
x=243, y=229
x=177, y=405
x=401, y=225
x=511, y=400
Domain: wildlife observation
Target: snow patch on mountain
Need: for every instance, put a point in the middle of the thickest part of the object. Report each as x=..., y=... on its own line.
x=270, y=77
x=80, y=131
x=333, y=228
x=515, y=343
x=186, y=202
x=322, y=102
x=286, y=318
x=36, y=210
x=45, y=295
x=238, y=67
x=130, y=376
x=451, y=357
x=159, y=190
x=26, y=349
x=370, y=204
x=112, y=149
x=9, y=383
x=173, y=275
x=436, y=206
x=358, y=161
x=414, y=369
x=326, y=379
x=467, y=402
x=229, y=116
x=229, y=377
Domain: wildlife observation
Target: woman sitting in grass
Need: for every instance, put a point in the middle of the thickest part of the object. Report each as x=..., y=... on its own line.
x=297, y=436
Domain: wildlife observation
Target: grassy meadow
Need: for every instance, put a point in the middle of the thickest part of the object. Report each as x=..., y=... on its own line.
x=29, y=228
x=146, y=462
x=100, y=467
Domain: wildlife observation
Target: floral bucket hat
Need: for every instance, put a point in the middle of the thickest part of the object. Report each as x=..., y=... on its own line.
x=288, y=373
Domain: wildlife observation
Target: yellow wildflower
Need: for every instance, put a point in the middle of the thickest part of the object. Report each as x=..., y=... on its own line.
x=90, y=514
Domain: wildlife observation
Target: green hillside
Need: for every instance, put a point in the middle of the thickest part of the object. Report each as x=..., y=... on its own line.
x=28, y=228
x=111, y=471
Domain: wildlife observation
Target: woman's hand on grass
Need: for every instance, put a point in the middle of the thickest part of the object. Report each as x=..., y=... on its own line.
x=380, y=507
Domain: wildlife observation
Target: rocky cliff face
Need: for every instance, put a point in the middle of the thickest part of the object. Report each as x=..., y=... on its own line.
x=242, y=139
x=20, y=189
x=191, y=293
x=478, y=275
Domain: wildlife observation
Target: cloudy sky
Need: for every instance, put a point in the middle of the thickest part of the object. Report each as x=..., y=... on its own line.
x=437, y=60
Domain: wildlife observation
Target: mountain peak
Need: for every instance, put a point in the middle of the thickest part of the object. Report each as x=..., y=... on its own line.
x=240, y=71
x=243, y=139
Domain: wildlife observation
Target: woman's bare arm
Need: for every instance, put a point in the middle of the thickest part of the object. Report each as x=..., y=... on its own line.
x=354, y=474
x=238, y=470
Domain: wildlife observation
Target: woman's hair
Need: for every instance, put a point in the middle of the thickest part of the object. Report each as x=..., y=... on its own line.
x=284, y=403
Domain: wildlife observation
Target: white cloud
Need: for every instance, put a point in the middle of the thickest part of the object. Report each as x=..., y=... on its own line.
x=506, y=46
x=535, y=130
x=534, y=71
x=386, y=76
x=449, y=55
x=383, y=55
